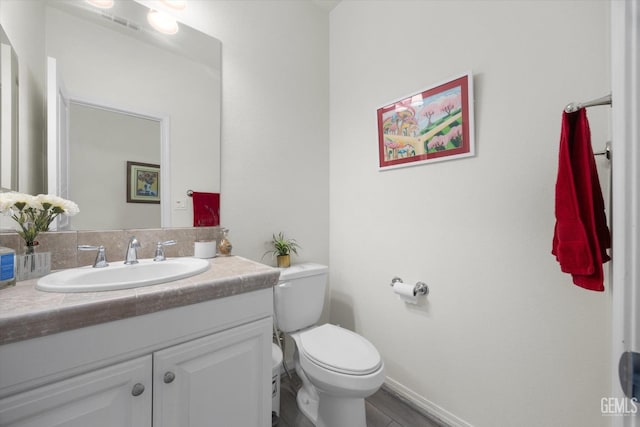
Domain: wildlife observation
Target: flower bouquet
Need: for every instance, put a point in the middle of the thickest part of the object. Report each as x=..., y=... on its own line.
x=34, y=214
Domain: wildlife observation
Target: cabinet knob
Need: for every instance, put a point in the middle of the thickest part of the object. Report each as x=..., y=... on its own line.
x=137, y=390
x=169, y=377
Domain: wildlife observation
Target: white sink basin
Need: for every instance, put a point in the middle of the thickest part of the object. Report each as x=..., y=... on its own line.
x=120, y=276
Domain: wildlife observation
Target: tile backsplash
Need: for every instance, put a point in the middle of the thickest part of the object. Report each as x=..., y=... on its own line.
x=63, y=245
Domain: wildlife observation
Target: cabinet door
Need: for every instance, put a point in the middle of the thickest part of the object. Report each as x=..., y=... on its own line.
x=222, y=380
x=102, y=398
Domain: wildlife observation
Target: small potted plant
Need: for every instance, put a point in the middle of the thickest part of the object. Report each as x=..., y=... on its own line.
x=282, y=249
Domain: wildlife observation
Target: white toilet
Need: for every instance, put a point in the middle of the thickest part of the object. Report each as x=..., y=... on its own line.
x=338, y=367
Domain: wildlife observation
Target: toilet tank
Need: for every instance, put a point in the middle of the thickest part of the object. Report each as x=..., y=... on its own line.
x=299, y=296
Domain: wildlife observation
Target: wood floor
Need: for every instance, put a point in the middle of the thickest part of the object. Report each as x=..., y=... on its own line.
x=383, y=410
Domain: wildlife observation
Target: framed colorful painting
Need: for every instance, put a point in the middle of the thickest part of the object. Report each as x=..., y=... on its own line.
x=143, y=183
x=432, y=125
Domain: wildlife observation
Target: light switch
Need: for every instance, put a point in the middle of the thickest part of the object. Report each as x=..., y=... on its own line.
x=180, y=205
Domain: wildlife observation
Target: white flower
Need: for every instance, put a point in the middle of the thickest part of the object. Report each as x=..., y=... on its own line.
x=15, y=202
x=31, y=202
x=6, y=201
x=70, y=208
x=67, y=206
x=34, y=214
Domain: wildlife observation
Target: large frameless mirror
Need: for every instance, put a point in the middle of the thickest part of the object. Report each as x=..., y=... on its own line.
x=108, y=66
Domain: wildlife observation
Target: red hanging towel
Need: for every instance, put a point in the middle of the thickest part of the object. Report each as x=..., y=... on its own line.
x=206, y=209
x=581, y=237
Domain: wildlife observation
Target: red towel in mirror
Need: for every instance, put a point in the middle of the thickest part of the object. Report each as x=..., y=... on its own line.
x=581, y=237
x=206, y=209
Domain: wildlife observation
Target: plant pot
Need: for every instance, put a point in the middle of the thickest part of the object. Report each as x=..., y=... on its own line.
x=283, y=261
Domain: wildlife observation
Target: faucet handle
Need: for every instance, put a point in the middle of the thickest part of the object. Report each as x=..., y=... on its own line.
x=160, y=250
x=101, y=257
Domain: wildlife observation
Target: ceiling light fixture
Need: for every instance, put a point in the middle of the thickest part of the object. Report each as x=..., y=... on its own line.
x=101, y=4
x=162, y=22
x=175, y=4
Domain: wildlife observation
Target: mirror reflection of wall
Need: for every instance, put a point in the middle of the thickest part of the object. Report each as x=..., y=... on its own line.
x=24, y=24
x=8, y=114
x=108, y=67
x=101, y=141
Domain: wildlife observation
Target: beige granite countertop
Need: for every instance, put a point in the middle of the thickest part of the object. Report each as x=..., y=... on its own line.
x=26, y=312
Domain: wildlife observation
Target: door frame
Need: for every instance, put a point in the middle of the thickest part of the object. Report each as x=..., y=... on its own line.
x=625, y=268
x=59, y=101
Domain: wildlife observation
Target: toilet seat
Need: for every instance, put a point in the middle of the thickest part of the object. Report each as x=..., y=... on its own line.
x=339, y=350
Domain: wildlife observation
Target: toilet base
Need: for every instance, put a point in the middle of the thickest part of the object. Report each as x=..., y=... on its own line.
x=308, y=405
x=340, y=411
x=332, y=411
x=328, y=410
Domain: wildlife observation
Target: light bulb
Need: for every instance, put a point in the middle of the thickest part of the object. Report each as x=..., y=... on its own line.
x=162, y=22
x=102, y=4
x=175, y=4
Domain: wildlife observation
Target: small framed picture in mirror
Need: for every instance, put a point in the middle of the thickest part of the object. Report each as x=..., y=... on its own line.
x=143, y=182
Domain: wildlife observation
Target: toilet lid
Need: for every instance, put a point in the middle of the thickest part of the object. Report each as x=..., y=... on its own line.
x=340, y=350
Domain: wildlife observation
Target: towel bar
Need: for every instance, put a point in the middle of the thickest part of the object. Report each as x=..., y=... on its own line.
x=606, y=152
x=575, y=106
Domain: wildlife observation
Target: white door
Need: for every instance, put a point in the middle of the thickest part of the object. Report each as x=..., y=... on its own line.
x=223, y=380
x=119, y=395
x=625, y=60
x=57, y=139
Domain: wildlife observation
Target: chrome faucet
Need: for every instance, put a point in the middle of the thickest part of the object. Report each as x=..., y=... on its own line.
x=101, y=257
x=131, y=256
x=160, y=250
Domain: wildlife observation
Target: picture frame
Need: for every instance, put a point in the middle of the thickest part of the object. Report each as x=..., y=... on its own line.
x=143, y=182
x=432, y=125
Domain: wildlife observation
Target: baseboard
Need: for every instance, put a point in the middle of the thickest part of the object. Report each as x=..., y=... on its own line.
x=411, y=398
x=421, y=404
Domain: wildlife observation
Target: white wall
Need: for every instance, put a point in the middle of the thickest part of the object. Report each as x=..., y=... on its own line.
x=504, y=339
x=275, y=119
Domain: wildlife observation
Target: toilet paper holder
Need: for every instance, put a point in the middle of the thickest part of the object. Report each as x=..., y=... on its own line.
x=420, y=288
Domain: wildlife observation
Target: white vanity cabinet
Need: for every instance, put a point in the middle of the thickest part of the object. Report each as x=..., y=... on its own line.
x=199, y=365
x=216, y=380
x=102, y=398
